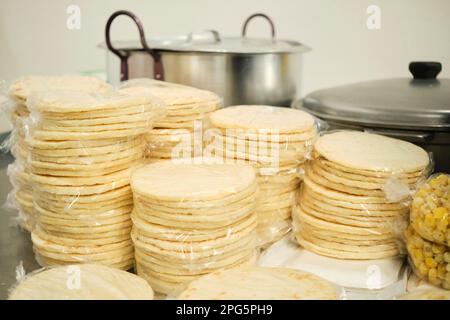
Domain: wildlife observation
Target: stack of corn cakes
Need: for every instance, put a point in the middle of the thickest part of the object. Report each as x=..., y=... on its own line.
x=82, y=148
x=21, y=197
x=179, y=134
x=350, y=206
x=276, y=141
x=192, y=219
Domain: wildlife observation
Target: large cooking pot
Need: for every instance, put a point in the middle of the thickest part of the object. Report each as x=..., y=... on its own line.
x=242, y=70
x=414, y=109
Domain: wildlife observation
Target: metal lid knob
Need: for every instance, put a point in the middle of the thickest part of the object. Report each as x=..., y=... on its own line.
x=425, y=70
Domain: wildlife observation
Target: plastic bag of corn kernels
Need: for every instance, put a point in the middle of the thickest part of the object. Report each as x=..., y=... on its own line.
x=430, y=209
x=429, y=261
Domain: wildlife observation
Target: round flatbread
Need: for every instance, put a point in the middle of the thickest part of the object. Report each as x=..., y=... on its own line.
x=173, y=95
x=89, y=151
x=23, y=87
x=259, y=283
x=302, y=216
x=88, y=200
x=68, y=135
x=274, y=119
x=81, y=181
x=342, y=254
x=314, y=194
x=366, y=151
x=81, y=282
x=191, y=181
x=62, y=101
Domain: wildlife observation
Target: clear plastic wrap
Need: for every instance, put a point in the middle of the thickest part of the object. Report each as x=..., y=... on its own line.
x=80, y=282
x=192, y=219
x=430, y=209
x=429, y=261
x=179, y=133
x=258, y=283
x=21, y=196
x=16, y=109
x=277, y=142
x=81, y=148
x=354, y=201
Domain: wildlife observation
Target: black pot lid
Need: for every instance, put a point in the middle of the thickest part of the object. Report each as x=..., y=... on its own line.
x=421, y=102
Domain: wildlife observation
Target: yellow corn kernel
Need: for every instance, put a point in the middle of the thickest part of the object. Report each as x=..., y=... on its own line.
x=423, y=270
x=419, y=224
x=435, y=183
x=442, y=179
x=442, y=225
x=429, y=220
x=432, y=274
x=440, y=212
x=438, y=192
x=422, y=193
x=427, y=249
x=447, y=257
x=437, y=248
x=441, y=271
x=430, y=262
x=417, y=241
x=438, y=236
x=418, y=202
x=418, y=254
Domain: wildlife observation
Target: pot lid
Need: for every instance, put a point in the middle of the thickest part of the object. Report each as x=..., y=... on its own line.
x=206, y=41
x=210, y=41
x=422, y=101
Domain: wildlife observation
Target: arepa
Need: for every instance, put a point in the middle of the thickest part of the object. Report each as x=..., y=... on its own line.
x=257, y=283
x=85, y=281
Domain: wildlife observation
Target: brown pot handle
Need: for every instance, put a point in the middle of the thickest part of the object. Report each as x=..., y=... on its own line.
x=124, y=55
x=262, y=15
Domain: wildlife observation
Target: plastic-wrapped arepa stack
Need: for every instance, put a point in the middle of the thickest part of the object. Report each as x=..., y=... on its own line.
x=354, y=202
x=192, y=219
x=82, y=149
x=277, y=142
x=180, y=133
x=428, y=236
x=21, y=196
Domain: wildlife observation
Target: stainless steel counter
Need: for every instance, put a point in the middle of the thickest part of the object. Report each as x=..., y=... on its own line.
x=15, y=244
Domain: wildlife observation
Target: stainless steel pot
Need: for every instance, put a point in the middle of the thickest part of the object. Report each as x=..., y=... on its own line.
x=242, y=70
x=413, y=109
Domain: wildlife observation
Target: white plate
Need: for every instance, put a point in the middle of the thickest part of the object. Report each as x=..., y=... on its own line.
x=367, y=279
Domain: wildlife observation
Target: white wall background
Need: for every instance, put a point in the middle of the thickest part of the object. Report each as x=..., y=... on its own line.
x=34, y=38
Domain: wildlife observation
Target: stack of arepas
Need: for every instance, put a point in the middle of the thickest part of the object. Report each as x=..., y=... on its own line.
x=352, y=203
x=276, y=141
x=21, y=196
x=82, y=148
x=180, y=133
x=192, y=219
